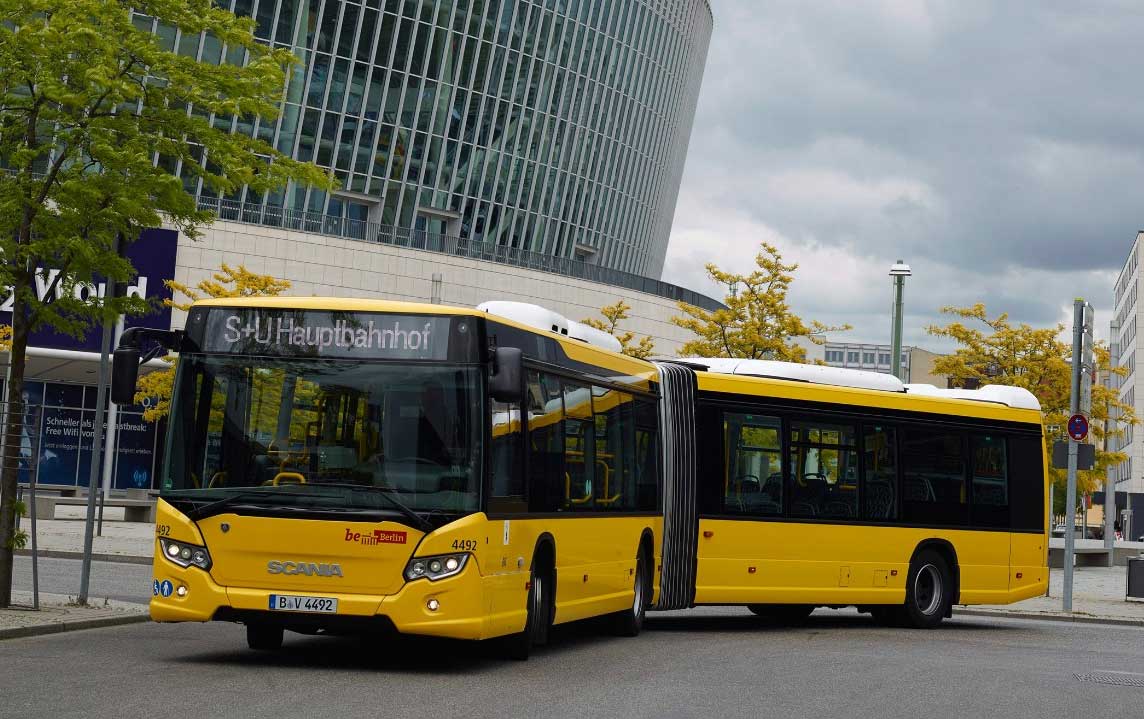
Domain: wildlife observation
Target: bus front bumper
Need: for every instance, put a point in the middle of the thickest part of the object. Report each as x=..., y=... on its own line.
x=453, y=607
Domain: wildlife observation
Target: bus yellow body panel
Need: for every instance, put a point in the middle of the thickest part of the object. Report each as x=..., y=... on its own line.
x=595, y=565
x=760, y=562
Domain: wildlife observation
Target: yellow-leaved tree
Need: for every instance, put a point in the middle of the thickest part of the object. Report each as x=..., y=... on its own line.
x=995, y=351
x=613, y=315
x=157, y=386
x=757, y=322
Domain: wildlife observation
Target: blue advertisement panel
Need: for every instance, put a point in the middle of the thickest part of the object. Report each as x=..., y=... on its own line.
x=135, y=458
x=153, y=257
x=65, y=425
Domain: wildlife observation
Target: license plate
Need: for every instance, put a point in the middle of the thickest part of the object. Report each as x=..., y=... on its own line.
x=295, y=603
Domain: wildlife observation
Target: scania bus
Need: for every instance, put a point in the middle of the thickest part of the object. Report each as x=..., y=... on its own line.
x=345, y=465
x=339, y=465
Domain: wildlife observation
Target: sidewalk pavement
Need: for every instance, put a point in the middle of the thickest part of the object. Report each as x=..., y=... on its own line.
x=1098, y=596
x=59, y=613
x=121, y=541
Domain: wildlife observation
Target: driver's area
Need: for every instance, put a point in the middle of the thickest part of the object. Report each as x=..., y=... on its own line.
x=299, y=423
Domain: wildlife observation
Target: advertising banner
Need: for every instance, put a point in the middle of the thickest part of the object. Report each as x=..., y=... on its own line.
x=153, y=257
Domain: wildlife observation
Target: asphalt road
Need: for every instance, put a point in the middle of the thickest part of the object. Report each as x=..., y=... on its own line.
x=111, y=580
x=711, y=663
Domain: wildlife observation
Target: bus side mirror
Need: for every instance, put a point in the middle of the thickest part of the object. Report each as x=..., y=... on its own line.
x=508, y=368
x=124, y=375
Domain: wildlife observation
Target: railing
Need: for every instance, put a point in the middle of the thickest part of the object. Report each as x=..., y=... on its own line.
x=316, y=222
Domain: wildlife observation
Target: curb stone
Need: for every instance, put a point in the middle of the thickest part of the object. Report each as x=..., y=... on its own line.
x=73, y=625
x=95, y=557
x=1075, y=617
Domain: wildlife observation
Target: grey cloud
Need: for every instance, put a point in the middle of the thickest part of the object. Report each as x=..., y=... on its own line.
x=995, y=141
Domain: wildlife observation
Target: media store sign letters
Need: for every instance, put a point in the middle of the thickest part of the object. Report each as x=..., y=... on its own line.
x=82, y=291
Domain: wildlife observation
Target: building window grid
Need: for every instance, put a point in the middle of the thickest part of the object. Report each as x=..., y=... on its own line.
x=580, y=215
x=428, y=157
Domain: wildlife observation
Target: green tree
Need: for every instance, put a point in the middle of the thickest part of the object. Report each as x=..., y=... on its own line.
x=615, y=314
x=228, y=282
x=758, y=322
x=995, y=351
x=95, y=112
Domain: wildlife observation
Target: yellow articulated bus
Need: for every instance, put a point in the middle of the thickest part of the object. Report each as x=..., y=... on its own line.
x=338, y=465
x=345, y=465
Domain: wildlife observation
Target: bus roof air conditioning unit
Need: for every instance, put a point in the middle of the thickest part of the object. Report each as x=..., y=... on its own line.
x=813, y=374
x=1016, y=397
x=549, y=321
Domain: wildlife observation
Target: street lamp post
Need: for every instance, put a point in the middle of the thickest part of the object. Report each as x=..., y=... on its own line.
x=900, y=271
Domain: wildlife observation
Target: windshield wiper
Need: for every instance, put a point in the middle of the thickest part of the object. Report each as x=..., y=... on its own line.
x=388, y=493
x=213, y=508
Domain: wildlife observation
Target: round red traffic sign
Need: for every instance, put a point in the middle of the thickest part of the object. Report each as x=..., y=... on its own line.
x=1078, y=427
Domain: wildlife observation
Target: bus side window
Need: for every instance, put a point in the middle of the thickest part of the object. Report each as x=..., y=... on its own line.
x=824, y=470
x=580, y=471
x=754, y=480
x=545, y=442
x=990, y=481
x=646, y=456
x=1027, y=482
x=507, y=485
x=933, y=490
x=880, y=482
x=614, y=449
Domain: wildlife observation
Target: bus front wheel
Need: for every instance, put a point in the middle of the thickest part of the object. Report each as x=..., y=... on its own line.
x=929, y=591
x=629, y=622
x=264, y=637
x=519, y=646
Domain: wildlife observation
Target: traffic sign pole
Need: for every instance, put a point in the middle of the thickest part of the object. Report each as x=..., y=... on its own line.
x=1078, y=431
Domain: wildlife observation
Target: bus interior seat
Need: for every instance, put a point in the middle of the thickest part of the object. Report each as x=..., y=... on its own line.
x=773, y=487
x=918, y=489
x=803, y=509
x=748, y=484
x=839, y=508
x=879, y=499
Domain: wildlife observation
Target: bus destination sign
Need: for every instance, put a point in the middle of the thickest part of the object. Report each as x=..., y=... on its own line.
x=319, y=333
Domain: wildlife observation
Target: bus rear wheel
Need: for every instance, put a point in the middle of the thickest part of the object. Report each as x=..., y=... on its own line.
x=264, y=637
x=929, y=591
x=782, y=613
x=629, y=622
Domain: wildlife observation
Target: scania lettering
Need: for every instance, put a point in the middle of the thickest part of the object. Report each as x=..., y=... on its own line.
x=307, y=568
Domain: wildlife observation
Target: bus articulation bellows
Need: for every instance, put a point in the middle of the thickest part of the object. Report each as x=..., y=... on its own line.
x=338, y=465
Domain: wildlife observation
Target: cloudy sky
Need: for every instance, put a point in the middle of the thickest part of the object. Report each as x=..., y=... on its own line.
x=996, y=147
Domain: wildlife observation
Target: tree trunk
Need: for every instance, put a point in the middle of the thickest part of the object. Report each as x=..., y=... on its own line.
x=10, y=471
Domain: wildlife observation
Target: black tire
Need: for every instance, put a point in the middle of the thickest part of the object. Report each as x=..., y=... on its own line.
x=629, y=622
x=929, y=591
x=782, y=613
x=535, y=633
x=264, y=637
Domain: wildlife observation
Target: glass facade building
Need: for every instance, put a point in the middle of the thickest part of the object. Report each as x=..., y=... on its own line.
x=557, y=127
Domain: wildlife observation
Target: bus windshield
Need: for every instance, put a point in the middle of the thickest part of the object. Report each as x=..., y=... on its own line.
x=312, y=427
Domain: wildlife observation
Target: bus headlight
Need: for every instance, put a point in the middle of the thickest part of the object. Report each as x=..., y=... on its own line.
x=436, y=567
x=186, y=555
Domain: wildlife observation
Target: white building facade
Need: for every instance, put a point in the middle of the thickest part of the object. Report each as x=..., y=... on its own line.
x=1124, y=346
